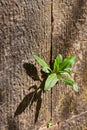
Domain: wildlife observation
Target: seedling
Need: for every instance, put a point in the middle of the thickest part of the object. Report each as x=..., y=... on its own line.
x=62, y=70
x=49, y=124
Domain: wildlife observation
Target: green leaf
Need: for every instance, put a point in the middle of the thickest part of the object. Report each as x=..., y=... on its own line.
x=68, y=62
x=71, y=83
x=49, y=124
x=75, y=87
x=46, y=70
x=51, y=81
x=57, y=62
x=44, y=65
x=66, y=71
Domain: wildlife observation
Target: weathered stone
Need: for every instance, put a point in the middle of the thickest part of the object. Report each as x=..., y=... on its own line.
x=45, y=28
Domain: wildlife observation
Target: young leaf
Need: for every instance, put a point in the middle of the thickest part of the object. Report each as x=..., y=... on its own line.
x=44, y=65
x=75, y=87
x=51, y=81
x=49, y=124
x=57, y=62
x=71, y=83
x=44, y=69
x=66, y=71
x=68, y=62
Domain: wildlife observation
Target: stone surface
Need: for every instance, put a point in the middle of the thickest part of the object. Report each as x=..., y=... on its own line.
x=45, y=28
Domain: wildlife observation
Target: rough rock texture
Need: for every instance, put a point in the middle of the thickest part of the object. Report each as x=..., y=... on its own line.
x=46, y=28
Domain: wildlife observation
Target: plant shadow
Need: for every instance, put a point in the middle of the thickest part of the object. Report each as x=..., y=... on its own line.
x=12, y=124
x=31, y=71
x=33, y=96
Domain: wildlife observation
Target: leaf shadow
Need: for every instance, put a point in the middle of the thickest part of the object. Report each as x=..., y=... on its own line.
x=12, y=123
x=33, y=96
x=31, y=71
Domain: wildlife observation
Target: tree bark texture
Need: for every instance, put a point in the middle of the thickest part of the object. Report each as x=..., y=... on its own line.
x=45, y=28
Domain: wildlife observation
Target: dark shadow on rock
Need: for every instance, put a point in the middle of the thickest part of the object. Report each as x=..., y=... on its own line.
x=2, y=96
x=43, y=75
x=33, y=96
x=12, y=124
x=28, y=100
x=31, y=71
x=39, y=100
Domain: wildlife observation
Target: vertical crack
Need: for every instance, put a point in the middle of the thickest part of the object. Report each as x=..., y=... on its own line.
x=51, y=32
x=51, y=46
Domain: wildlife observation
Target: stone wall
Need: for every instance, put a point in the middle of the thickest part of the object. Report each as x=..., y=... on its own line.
x=45, y=28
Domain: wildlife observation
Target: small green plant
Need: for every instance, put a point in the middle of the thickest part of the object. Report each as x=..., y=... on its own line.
x=61, y=71
x=49, y=124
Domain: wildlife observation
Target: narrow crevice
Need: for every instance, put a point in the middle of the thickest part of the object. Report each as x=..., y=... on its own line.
x=51, y=46
x=51, y=32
